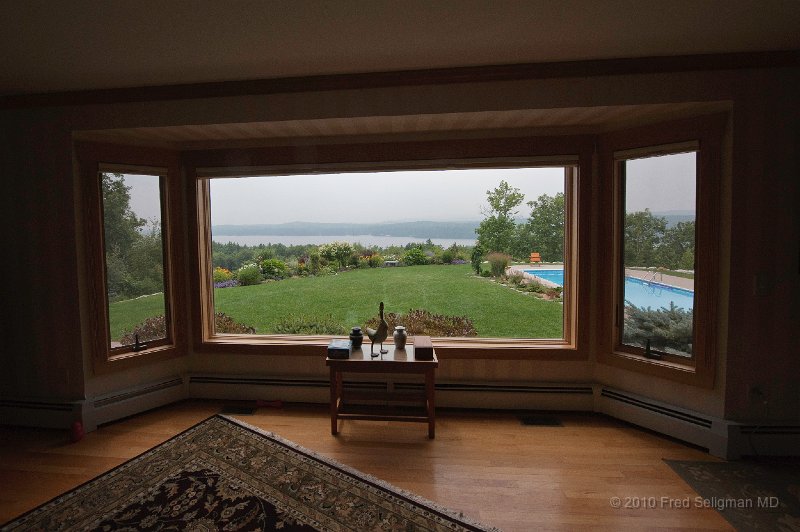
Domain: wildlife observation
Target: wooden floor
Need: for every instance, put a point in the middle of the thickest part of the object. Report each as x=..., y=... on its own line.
x=488, y=465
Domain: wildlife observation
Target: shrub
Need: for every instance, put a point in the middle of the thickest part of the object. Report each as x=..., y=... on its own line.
x=337, y=251
x=314, y=262
x=423, y=322
x=155, y=328
x=668, y=329
x=249, y=274
x=498, y=263
x=274, y=268
x=224, y=324
x=476, y=258
x=415, y=256
x=303, y=324
x=535, y=287
x=375, y=261
x=222, y=274
x=516, y=278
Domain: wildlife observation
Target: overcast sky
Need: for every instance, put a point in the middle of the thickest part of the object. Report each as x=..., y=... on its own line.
x=659, y=183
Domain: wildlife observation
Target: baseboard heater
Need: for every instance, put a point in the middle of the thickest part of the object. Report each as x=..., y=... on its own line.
x=763, y=440
x=510, y=396
x=696, y=428
x=541, y=396
x=36, y=413
x=124, y=403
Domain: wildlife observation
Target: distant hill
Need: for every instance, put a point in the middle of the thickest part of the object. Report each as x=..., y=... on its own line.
x=420, y=229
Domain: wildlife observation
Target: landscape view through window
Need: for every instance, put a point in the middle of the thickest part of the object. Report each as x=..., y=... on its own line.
x=449, y=252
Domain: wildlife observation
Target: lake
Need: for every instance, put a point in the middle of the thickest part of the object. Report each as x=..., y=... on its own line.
x=364, y=240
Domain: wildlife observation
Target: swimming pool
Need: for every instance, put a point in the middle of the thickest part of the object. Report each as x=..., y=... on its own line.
x=637, y=291
x=554, y=276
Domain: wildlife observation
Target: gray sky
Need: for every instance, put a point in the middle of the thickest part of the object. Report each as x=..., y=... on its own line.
x=372, y=197
x=662, y=184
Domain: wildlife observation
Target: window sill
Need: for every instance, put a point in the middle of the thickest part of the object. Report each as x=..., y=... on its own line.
x=454, y=348
x=686, y=373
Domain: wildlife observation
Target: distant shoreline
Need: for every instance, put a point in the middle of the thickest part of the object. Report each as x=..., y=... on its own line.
x=381, y=241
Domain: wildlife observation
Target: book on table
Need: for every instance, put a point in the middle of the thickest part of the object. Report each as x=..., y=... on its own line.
x=340, y=349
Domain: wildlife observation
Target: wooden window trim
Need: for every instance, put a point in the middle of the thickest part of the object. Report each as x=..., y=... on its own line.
x=707, y=132
x=469, y=153
x=92, y=159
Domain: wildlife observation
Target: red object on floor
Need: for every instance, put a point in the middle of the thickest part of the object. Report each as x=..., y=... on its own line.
x=76, y=431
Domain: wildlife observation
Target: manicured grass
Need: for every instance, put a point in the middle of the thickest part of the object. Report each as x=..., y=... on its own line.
x=124, y=315
x=351, y=298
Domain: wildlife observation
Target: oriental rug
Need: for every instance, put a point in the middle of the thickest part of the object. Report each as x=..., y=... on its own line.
x=223, y=474
x=749, y=495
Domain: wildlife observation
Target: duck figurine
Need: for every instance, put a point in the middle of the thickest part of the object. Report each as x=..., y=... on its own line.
x=379, y=334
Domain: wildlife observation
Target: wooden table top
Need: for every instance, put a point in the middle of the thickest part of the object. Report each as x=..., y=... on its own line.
x=394, y=360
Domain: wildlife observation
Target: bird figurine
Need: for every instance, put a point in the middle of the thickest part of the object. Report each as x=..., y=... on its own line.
x=378, y=335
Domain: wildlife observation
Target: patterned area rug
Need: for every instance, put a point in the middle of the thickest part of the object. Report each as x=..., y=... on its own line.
x=223, y=474
x=749, y=495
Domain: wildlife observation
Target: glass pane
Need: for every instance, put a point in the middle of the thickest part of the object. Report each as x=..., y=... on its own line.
x=659, y=246
x=449, y=252
x=134, y=253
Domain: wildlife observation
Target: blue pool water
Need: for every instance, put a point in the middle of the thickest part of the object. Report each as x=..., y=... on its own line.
x=637, y=292
x=554, y=276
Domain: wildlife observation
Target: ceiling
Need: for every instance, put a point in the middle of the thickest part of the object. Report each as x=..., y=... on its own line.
x=52, y=46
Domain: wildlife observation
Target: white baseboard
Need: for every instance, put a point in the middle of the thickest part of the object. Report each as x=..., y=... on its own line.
x=131, y=401
x=722, y=438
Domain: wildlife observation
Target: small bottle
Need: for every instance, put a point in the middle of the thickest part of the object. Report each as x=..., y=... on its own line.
x=400, y=336
x=356, y=336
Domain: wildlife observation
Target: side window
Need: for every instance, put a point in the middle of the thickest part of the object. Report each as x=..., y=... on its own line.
x=657, y=266
x=133, y=248
x=129, y=213
x=661, y=223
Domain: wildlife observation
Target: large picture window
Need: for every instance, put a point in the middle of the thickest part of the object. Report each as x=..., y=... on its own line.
x=459, y=253
x=475, y=243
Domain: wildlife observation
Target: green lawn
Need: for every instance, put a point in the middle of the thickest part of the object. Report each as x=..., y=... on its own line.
x=351, y=298
x=124, y=315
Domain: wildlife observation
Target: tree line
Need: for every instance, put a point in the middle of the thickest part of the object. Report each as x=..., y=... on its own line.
x=133, y=247
x=648, y=239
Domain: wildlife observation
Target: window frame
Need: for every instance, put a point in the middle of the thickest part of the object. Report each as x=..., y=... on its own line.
x=94, y=159
x=705, y=134
x=569, y=151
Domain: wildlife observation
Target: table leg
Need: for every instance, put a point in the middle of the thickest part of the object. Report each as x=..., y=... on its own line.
x=430, y=391
x=336, y=384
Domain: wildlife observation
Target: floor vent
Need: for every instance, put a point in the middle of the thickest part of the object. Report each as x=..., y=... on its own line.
x=540, y=420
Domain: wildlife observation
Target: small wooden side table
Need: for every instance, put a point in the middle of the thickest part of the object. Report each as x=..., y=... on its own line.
x=396, y=361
